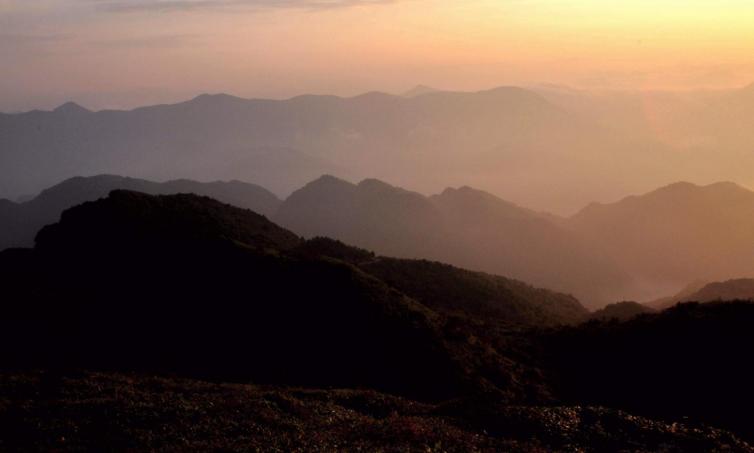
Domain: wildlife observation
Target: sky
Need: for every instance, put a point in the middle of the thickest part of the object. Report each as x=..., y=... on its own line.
x=125, y=53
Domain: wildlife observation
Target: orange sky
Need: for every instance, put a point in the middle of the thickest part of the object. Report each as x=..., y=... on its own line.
x=121, y=53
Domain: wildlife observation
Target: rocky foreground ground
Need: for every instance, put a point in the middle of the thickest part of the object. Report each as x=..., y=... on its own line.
x=86, y=411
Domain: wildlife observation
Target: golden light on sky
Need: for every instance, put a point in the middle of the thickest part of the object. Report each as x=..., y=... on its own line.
x=120, y=53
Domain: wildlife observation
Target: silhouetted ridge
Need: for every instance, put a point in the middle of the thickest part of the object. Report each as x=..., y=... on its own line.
x=160, y=220
x=621, y=311
x=188, y=285
x=452, y=290
x=19, y=226
x=71, y=108
x=447, y=288
x=220, y=292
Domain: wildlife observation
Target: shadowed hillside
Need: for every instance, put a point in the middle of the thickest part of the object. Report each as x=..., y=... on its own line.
x=689, y=360
x=450, y=289
x=621, y=311
x=220, y=292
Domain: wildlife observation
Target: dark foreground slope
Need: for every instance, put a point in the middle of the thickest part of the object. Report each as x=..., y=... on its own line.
x=691, y=360
x=20, y=222
x=112, y=412
x=188, y=285
x=621, y=311
x=458, y=291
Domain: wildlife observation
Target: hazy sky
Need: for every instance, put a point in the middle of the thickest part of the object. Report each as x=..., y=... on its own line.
x=122, y=53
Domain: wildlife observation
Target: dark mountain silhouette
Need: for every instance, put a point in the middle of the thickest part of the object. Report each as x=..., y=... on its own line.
x=676, y=234
x=19, y=223
x=452, y=290
x=464, y=227
x=621, y=311
x=689, y=360
x=182, y=285
x=200, y=288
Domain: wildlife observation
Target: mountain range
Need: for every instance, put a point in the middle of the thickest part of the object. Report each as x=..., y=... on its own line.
x=506, y=140
x=135, y=285
x=466, y=227
x=639, y=248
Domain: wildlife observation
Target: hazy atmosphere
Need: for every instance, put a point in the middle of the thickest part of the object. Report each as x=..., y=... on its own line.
x=376, y=225
x=127, y=53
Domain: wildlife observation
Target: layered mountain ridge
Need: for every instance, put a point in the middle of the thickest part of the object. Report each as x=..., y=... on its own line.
x=188, y=287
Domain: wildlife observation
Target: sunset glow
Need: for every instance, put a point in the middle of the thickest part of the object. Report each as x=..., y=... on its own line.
x=126, y=53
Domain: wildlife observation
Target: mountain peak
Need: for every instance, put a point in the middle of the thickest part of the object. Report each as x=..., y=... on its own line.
x=684, y=187
x=330, y=180
x=71, y=108
x=375, y=183
x=206, y=98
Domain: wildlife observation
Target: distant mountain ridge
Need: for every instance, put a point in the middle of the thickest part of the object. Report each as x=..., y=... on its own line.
x=639, y=248
x=282, y=144
x=20, y=222
x=464, y=227
x=734, y=289
x=676, y=234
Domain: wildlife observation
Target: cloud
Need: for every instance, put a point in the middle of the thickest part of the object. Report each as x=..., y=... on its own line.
x=124, y=6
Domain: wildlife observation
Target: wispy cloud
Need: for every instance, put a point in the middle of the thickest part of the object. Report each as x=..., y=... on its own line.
x=123, y=6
